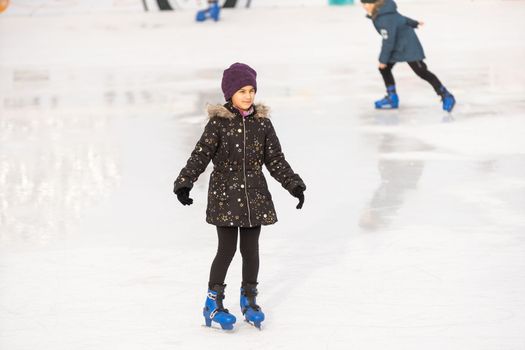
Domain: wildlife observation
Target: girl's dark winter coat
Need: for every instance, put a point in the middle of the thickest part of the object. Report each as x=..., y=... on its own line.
x=400, y=42
x=239, y=147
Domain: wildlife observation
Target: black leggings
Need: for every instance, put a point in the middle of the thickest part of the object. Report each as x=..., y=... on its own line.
x=419, y=67
x=226, y=250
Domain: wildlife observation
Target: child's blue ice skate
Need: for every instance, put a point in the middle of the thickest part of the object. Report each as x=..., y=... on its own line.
x=211, y=12
x=215, y=11
x=390, y=101
x=201, y=15
x=251, y=311
x=448, y=99
x=215, y=311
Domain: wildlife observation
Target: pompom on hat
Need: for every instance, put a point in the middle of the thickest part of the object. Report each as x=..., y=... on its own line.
x=236, y=77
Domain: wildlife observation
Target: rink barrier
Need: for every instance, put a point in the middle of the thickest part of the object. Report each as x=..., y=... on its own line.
x=166, y=5
x=67, y=7
x=340, y=2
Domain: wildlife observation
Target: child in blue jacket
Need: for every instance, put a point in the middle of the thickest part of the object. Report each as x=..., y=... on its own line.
x=400, y=44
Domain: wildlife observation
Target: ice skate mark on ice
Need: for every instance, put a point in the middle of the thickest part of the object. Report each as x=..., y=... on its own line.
x=30, y=76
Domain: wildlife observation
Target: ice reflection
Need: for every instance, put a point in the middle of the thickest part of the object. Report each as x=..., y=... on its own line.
x=399, y=175
x=58, y=155
x=55, y=160
x=49, y=174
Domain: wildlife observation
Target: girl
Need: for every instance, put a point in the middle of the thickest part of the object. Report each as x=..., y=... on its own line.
x=239, y=139
x=400, y=44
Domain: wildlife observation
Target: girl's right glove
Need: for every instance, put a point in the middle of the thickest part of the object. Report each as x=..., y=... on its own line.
x=298, y=192
x=183, y=195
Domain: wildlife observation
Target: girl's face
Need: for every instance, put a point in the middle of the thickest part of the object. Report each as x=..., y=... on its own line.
x=368, y=8
x=244, y=97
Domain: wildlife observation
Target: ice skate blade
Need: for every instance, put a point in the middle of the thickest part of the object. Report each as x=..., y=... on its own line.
x=387, y=107
x=217, y=328
x=257, y=325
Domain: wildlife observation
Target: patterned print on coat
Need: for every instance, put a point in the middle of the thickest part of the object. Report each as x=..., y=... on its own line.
x=239, y=147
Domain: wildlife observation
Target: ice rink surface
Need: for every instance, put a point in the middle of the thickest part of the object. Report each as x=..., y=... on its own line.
x=413, y=231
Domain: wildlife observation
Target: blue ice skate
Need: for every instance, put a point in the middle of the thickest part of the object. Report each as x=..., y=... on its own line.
x=447, y=98
x=390, y=101
x=215, y=311
x=212, y=12
x=251, y=311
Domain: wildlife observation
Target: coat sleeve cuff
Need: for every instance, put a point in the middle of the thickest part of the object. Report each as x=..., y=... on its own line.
x=181, y=182
x=293, y=184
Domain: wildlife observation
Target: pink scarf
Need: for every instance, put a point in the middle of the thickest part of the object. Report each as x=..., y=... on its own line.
x=245, y=113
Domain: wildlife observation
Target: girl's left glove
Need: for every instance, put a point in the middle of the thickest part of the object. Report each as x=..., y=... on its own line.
x=298, y=192
x=183, y=195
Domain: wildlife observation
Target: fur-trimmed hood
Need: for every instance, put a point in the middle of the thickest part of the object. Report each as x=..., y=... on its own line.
x=261, y=111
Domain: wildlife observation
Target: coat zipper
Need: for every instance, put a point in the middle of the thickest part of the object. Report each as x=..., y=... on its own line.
x=244, y=171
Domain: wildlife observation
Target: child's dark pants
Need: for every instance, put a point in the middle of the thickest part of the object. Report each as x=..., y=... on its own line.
x=249, y=247
x=419, y=67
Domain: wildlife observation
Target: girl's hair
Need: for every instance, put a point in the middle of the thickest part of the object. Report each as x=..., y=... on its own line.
x=377, y=5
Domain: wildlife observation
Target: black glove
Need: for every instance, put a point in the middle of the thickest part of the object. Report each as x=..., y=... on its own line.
x=297, y=192
x=183, y=195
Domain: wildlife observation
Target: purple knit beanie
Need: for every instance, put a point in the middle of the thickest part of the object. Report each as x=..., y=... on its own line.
x=236, y=77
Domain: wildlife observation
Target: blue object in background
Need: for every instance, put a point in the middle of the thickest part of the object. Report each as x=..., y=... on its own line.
x=340, y=2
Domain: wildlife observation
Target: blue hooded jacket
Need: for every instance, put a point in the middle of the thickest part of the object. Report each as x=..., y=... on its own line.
x=400, y=42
